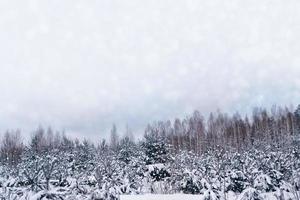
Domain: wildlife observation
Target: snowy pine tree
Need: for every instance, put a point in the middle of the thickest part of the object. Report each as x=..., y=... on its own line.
x=297, y=119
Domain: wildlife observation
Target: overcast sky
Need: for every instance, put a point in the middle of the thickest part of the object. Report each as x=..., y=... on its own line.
x=83, y=65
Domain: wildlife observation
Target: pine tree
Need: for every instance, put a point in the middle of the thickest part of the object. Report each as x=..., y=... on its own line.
x=127, y=151
x=155, y=147
x=114, y=138
x=297, y=119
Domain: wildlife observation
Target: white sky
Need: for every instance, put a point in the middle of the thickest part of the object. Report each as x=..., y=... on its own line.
x=83, y=65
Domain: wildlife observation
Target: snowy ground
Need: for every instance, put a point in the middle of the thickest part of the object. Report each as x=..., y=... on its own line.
x=161, y=197
x=229, y=196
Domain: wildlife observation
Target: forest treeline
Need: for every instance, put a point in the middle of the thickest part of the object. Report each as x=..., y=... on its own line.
x=194, y=133
x=230, y=132
x=212, y=157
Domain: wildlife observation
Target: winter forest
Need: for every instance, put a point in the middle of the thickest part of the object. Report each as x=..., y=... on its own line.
x=222, y=157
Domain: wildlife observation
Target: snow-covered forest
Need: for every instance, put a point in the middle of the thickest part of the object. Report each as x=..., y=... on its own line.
x=221, y=157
